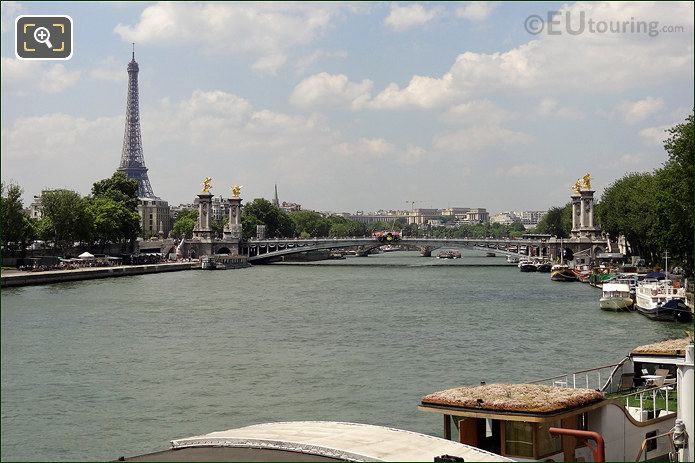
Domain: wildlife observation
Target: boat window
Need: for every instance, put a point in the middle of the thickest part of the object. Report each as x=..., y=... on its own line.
x=547, y=444
x=518, y=438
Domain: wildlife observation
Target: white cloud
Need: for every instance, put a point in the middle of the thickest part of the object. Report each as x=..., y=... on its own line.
x=477, y=112
x=637, y=111
x=307, y=61
x=269, y=64
x=402, y=18
x=655, y=135
x=323, y=89
x=599, y=63
x=477, y=138
x=266, y=29
x=61, y=150
x=23, y=76
x=549, y=107
x=476, y=11
x=529, y=170
x=627, y=161
x=7, y=12
x=110, y=69
x=366, y=148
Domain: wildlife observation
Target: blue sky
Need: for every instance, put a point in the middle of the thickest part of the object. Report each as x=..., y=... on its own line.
x=358, y=106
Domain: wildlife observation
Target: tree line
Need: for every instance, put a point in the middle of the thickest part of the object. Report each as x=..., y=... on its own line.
x=108, y=215
x=653, y=210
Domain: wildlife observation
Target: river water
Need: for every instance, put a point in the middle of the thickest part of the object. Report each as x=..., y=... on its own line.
x=98, y=369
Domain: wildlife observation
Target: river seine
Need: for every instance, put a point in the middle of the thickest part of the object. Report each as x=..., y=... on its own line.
x=98, y=369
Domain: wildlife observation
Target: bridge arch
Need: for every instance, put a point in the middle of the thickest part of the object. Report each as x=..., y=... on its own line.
x=223, y=250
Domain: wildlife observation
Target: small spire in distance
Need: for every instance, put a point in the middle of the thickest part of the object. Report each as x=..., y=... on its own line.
x=133, y=51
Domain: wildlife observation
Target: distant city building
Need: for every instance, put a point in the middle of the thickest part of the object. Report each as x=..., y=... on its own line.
x=373, y=217
x=290, y=207
x=467, y=215
x=531, y=218
x=35, y=209
x=422, y=216
x=505, y=218
x=155, y=216
x=176, y=210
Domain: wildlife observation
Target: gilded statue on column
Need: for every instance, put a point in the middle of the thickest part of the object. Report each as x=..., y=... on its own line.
x=586, y=182
x=577, y=186
x=207, y=184
x=236, y=191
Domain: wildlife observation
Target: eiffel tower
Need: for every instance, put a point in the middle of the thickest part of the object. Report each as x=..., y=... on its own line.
x=132, y=160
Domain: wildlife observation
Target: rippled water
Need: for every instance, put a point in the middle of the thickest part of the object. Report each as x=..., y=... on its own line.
x=104, y=368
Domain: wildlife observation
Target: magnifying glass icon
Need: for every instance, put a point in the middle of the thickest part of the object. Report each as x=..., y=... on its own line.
x=42, y=35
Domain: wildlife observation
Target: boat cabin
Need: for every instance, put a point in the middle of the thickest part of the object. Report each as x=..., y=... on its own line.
x=657, y=363
x=513, y=419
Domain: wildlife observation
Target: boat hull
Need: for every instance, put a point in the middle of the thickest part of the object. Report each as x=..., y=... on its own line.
x=544, y=268
x=670, y=311
x=563, y=275
x=527, y=268
x=615, y=304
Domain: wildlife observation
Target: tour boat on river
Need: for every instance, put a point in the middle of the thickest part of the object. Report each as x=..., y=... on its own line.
x=452, y=254
x=527, y=266
x=662, y=301
x=616, y=297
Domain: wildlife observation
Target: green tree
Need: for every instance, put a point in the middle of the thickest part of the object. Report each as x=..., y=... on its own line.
x=628, y=208
x=70, y=217
x=310, y=223
x=557, y=221
x=277, y=222
x=112, y=220
x=184, y=224
x=119, y=188
x=17, y=228
x=675, y=193
x=120, y=194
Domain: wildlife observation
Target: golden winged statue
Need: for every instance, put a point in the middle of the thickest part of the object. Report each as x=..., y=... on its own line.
x=577, y=186
x=207, y=184
x=236, y=190
x=586, y=182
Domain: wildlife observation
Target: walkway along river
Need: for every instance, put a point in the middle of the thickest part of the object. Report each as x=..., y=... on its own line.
x=103, y=368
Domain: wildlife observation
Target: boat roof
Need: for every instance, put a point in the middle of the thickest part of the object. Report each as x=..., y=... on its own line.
x=668, y=348
x=531, y=399
x=616, y=287
x=337, y=440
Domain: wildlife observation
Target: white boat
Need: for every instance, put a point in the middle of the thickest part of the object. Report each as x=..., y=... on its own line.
x=615, y=297
x=317, y=441
x=661, y=300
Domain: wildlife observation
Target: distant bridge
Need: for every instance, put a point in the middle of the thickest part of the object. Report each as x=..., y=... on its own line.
x=264, y=250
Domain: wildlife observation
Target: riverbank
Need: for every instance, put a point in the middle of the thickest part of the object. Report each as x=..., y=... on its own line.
x=15, y=278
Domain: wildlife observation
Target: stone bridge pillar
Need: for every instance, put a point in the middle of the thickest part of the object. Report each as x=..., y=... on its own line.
x=426, y=251
x=202, y=229
x=232, y=229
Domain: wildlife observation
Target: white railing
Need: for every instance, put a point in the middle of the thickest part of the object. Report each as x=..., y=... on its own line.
x=593, y=378
x=639, y=398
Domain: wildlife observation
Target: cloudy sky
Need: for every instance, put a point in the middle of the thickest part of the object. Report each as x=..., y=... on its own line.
x=353, y=106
